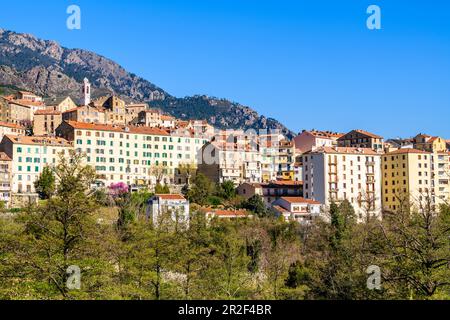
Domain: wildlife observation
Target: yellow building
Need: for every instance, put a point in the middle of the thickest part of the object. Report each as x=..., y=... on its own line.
x=428, y=143
x=407, y=175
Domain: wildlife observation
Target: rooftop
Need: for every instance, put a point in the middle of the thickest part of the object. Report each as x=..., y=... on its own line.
x=344, y=150
x=170, y=196
x=299, y=200
x=11, y=125
x=122, y=129
x=39, y=140
x=407, y=151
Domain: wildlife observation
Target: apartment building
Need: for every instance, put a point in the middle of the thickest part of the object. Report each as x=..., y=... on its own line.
x=269, y=148
x=61, y=104
x=221, y=161
x=407, y=176
x=133, y=111
x=361, y=139
x=150, y=118
x=11, y=129
x=309, y=140
x=87, y=114
x=440, y=174
x=334, y=174
x=29, y=157
x=5, y=179
x=20, y=111
x=46, y=121
x=285, y=160
x=131, y=154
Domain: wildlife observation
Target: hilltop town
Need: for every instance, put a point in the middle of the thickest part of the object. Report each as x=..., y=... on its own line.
x=142, y=147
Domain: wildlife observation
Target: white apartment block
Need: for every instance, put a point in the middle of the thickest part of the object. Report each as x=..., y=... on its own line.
x=30, y=155
x=440, y=170
x=338, y=173
x=132, y=154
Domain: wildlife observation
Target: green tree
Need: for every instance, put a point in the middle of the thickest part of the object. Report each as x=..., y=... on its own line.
x=256, y=205
x=201, y=189
x=45, y=185
x=227, y=190
x=62, y=234
x=415, y=260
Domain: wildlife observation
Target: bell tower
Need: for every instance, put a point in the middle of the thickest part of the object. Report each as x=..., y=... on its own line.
x=87, y=91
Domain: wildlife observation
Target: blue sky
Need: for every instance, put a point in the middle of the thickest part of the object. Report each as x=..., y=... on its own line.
x=309, y=64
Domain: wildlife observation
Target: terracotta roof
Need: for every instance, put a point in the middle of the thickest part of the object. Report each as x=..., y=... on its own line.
x=299, y=200
x=26, y=103
x=325, y=134
x=11, y=125
x=226, y=213
x=167, y=118
x=344, y=150
x=231, y=213
x=406, y=151
x=370, y=134
x=72, y=110
x=4, y=157
x=280, y=209
x=104, y=127
x=170, y=196
x=285, y=183
x=39, y=140
x=47, y=112
x=433, y=139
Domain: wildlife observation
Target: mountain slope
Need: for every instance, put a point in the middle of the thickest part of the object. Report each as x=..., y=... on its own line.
x=47, y=68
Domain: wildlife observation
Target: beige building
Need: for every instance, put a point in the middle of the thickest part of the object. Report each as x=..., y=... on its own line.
x=11, y=129
x=150, y=118
x=428, y=143
x=361, y=139
x=61, y=104
x=21, y=111
x=87, y=114
x=133, y=111
x=234, y=162
x=46, y=121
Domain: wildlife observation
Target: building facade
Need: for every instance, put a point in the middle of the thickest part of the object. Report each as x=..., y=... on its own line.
x=335, y=174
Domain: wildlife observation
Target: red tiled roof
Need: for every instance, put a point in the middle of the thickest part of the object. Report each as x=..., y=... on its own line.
x=39, y=140
x=47, y=112
x=11, y=125
x=170, y=196
x=407, y=151
x=104, y=127
x=299, y=200
x=344, y=150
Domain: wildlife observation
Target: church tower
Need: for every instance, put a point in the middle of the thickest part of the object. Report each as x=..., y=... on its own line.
x=87, y=92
